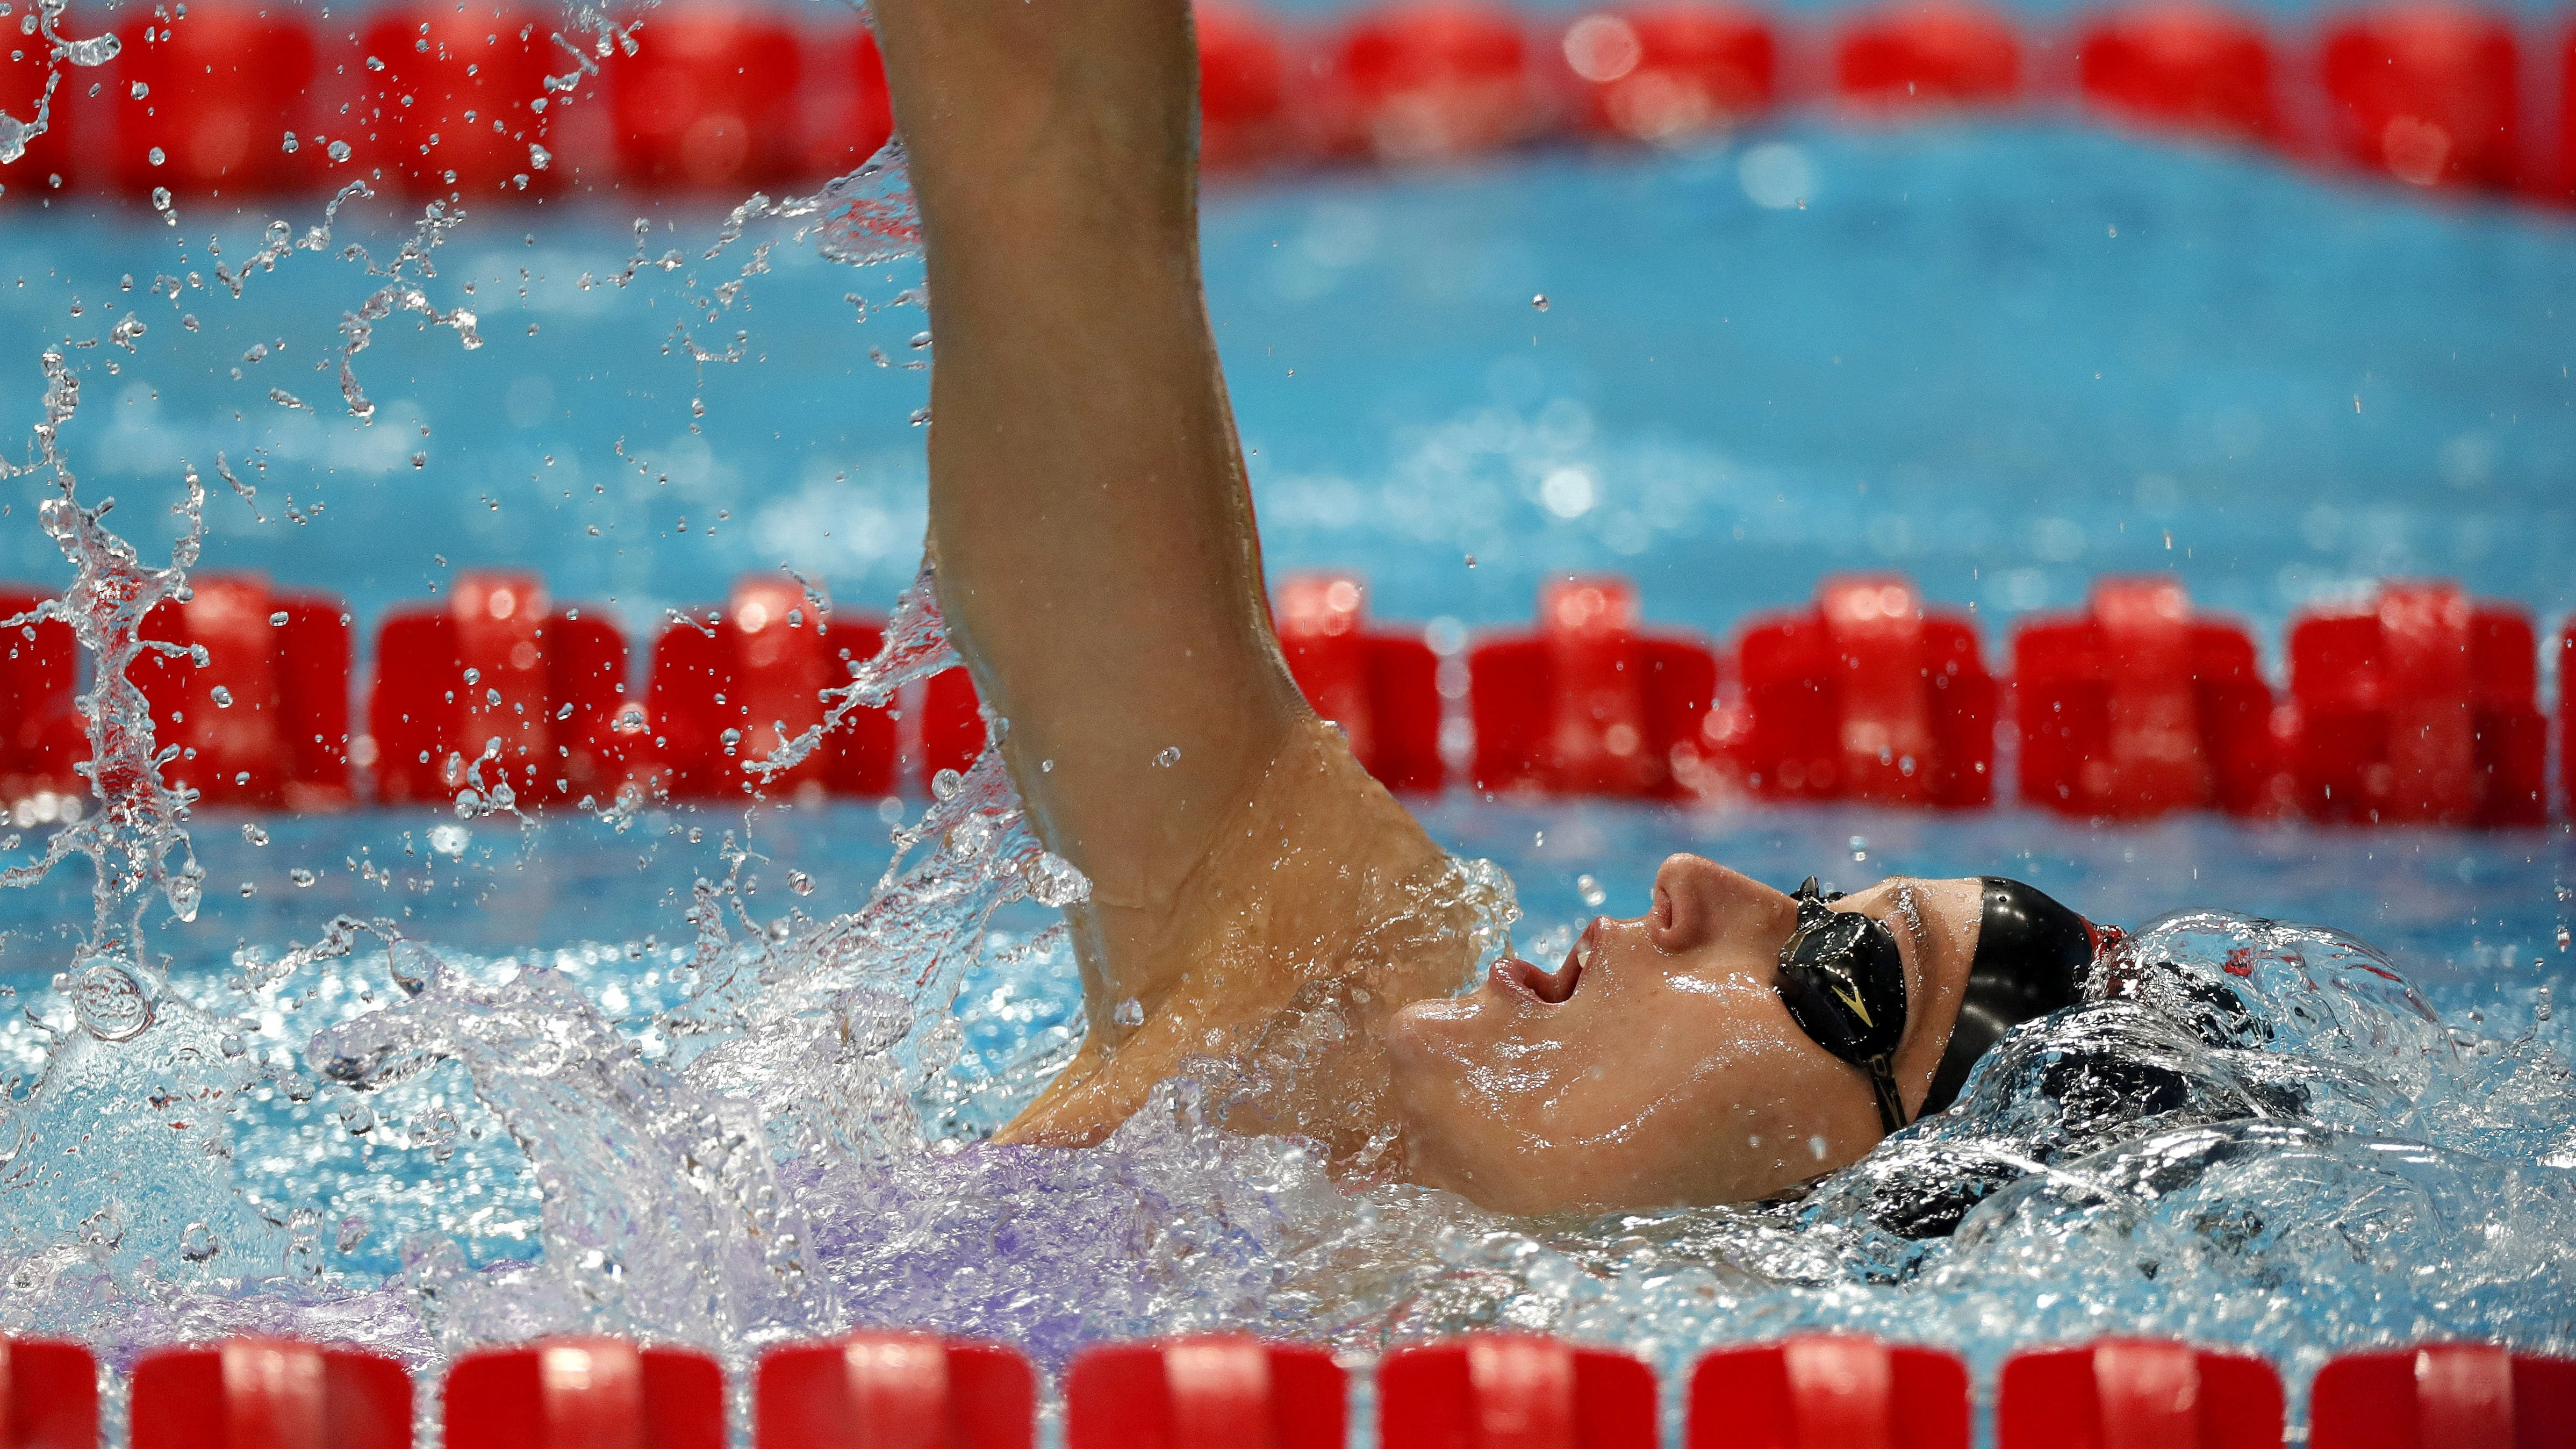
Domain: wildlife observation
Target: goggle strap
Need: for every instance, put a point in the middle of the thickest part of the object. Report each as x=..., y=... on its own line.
x=1891, y=1106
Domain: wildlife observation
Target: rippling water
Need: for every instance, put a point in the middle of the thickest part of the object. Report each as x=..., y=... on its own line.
x=559, y=1101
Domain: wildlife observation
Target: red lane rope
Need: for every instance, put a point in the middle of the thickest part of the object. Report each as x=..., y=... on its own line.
x=2417, y=705
x=1496, y=1390
x=234, y=100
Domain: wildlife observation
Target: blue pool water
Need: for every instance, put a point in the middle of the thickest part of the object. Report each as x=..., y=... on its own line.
x=2307, y=383
x=2005, y=359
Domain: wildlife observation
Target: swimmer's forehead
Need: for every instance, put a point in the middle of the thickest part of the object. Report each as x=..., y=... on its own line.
x=1893, y=900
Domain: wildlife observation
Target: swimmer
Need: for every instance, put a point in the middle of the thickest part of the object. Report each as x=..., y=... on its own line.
x=1255, y=895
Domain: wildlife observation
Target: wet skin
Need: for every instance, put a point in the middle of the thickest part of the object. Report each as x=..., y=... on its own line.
x=1657, y=1064
x=1099, y=571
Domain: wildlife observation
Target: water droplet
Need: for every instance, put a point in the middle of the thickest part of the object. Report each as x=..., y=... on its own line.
x=450, y=839
x=353, y=1231
x=1053, y=881
x=1539, y=301
x=289, y=144
x=277, y=620
x=1130, y=1012
x=110, y=1002
x=156, y=156
x=254, y=833
x=801, y=883
x=337, y=150
x=1170, y=756
x=2564, y=938
x=473, y=676
x=1590, y=889
x=138, y=90
x=199, y=1243
x=301, y=877
x=222, y=697
x=249, y=889
x=943, y=786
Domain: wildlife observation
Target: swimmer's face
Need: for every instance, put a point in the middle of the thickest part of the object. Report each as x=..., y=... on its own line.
x=1658, y=1065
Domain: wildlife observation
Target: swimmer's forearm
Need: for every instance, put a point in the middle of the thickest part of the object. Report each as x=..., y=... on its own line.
x=1088, y=511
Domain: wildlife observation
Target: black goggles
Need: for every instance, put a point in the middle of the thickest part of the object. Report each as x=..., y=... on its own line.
x=1843, y=981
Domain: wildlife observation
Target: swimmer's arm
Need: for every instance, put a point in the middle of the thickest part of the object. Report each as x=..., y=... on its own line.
x=1089, y=516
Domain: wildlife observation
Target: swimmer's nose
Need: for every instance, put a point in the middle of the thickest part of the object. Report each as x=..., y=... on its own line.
x=1699, y=903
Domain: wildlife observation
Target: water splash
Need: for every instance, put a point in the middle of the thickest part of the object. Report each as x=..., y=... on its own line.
x=96, y=50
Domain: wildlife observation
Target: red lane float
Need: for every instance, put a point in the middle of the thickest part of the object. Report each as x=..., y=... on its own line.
x=499, y=664
x=2418, y=706
x=2123, y=1391
x=1868, y=696
x=264, y=722
x=952, y=725
x=1424, y=82
x=223, y=87
x=1941, y=54
x=2567, y=119
x=1382, y=687
x=708, y=102
x=48, y=1395
x=41, y=736
x=270, y=1393
x=1667, y=72
x=2426, y=93
x=1514, y=1391
x=2567, y=714
x=894, y=1391
x=1590, y=703
x=733, y=687
x=585, y=1393
x=453, y=97
x=2135, y=708
x=2184, y=66
x=1827, y=1391
x=2444, y=1396
x=848, y=111
x=1243, y=88
x=1213, y=1391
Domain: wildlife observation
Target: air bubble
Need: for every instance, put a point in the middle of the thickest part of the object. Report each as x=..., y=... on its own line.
x=1130, y=1012
x=1590, y=889
x=1170, y=756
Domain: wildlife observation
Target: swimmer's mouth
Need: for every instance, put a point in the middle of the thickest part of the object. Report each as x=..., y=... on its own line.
x=1547, y=988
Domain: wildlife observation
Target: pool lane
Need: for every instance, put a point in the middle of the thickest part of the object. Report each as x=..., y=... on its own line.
x=2004, y=358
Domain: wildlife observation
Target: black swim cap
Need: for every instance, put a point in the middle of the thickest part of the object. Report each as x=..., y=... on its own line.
x=2031, y=957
